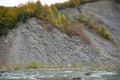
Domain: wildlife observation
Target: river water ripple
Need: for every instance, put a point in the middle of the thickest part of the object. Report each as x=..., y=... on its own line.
x=60, y=75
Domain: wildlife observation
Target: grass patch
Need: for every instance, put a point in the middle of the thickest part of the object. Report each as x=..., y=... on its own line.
x=74, y=66
x=104, y=33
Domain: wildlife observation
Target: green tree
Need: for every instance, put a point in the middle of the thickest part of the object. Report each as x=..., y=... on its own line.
x=22, y=15
x=38, y=9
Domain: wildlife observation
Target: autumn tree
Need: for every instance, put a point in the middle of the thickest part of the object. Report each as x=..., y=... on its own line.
x=30, y=9
x=11, y=18
x=47, y=13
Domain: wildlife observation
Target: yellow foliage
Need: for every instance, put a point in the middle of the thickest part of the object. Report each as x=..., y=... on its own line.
x=30, y=8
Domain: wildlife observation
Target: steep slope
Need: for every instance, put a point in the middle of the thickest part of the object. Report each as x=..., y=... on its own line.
x=30, y=41
x=108, y=12
x=105, y=11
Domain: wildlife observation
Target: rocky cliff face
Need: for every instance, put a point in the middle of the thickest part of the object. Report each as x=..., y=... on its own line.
x=32, y=42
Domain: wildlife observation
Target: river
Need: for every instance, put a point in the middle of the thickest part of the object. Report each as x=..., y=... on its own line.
x=60, y=75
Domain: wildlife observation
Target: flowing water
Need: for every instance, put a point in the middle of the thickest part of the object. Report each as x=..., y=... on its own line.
x=60, y=75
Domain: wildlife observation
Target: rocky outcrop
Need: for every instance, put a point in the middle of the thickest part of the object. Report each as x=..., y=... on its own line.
x=30, y=41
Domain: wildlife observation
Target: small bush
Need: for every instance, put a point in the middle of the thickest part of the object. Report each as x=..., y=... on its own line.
x=33, y=65
x=92, y=25
x=107, y=35
x=83, y=18
x=17, y=67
